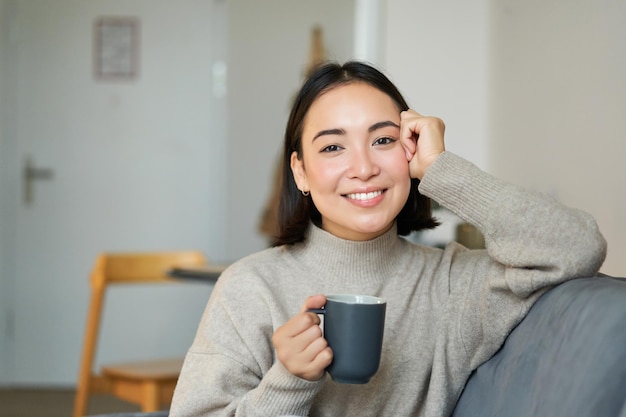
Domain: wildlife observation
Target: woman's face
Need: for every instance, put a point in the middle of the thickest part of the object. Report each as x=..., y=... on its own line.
x=352, y=161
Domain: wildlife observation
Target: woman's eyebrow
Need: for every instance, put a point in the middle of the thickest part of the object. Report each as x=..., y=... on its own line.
x=372, y=128
x=329, y=132
x=380, y=125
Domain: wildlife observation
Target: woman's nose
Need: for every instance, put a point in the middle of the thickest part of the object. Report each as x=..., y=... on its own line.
x=363, y=165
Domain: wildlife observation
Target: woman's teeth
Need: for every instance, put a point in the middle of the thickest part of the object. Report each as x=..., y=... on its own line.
x=364, y=196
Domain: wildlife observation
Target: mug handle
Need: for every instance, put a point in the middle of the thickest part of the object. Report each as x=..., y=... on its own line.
x=316, y=310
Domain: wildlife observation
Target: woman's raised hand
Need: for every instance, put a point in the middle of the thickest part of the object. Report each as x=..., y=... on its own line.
x=300, y=345
x=422, y=140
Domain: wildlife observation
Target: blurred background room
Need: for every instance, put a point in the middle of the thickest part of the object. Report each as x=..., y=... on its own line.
x=179, y=150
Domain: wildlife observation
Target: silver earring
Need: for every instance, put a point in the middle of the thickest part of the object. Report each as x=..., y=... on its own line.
x=305, y=193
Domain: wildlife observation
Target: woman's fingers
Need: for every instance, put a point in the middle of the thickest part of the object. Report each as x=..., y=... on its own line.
x=314, y=301
x=408, y=137
x=300, y=345
x=423, y=140
x=315, y=353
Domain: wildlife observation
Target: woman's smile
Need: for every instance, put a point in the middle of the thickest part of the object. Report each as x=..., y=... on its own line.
x=365, y=199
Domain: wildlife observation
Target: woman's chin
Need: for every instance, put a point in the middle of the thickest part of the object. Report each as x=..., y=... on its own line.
x=372, y=230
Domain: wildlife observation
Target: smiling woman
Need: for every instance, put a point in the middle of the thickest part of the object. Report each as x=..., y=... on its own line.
x=356, y=173
x=358, y=170
x=372, y=104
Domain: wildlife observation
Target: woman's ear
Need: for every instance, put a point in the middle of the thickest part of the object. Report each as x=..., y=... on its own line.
x=299, y=175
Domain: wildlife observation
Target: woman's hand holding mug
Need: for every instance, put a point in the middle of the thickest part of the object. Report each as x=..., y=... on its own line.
x=300, y=345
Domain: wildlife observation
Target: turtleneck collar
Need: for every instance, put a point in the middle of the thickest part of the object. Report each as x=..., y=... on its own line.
x=371, y=260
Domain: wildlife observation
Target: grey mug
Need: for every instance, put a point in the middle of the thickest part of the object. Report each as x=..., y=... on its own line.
x=353, y=327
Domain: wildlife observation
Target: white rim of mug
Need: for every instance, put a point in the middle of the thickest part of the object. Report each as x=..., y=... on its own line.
x=356, y=299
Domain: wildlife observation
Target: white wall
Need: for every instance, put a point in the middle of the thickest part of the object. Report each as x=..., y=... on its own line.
x=8, y=186
x=7, y=174
x=534, y=92
x=558, y=100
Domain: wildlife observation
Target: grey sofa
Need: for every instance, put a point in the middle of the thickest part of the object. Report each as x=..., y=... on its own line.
x=567, y=358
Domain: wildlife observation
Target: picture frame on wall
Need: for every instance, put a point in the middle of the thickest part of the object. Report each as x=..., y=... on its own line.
x=116, y=48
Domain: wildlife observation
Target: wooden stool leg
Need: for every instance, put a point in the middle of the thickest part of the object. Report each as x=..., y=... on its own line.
x=80, y=402
x=150, y=401
x=85, y=374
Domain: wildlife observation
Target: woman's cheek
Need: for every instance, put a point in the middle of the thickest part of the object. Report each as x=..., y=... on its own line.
x=400, y=164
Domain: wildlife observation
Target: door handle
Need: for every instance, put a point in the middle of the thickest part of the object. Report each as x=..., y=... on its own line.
x=30, y=174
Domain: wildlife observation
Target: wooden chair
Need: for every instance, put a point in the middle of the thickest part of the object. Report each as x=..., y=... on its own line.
x=149, y=384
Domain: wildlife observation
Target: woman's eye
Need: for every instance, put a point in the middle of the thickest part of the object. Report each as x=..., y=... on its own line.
x=385, y=140
x=330, y=148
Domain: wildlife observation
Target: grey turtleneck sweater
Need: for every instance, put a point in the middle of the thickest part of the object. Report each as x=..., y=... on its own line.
x=448, y=310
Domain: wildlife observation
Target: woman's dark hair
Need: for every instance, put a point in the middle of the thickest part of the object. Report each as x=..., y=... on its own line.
x=296, y=211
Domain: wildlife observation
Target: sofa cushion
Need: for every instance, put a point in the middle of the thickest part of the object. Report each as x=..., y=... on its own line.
x=567, y=358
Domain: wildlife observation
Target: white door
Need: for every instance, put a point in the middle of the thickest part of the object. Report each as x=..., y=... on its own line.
x=117, y=165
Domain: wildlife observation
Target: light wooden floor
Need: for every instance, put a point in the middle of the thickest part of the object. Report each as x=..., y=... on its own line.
x=33, y=402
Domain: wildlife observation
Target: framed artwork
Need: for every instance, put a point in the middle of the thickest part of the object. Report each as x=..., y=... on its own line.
x=116, y=48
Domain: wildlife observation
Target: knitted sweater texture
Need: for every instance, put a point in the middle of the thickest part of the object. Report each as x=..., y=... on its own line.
x=448, y=310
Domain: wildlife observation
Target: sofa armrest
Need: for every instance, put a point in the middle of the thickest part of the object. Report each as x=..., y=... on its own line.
x=567, y=358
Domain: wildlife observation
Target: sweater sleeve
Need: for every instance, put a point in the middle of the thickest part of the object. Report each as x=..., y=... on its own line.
x=230, y=368
x=532, y=242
